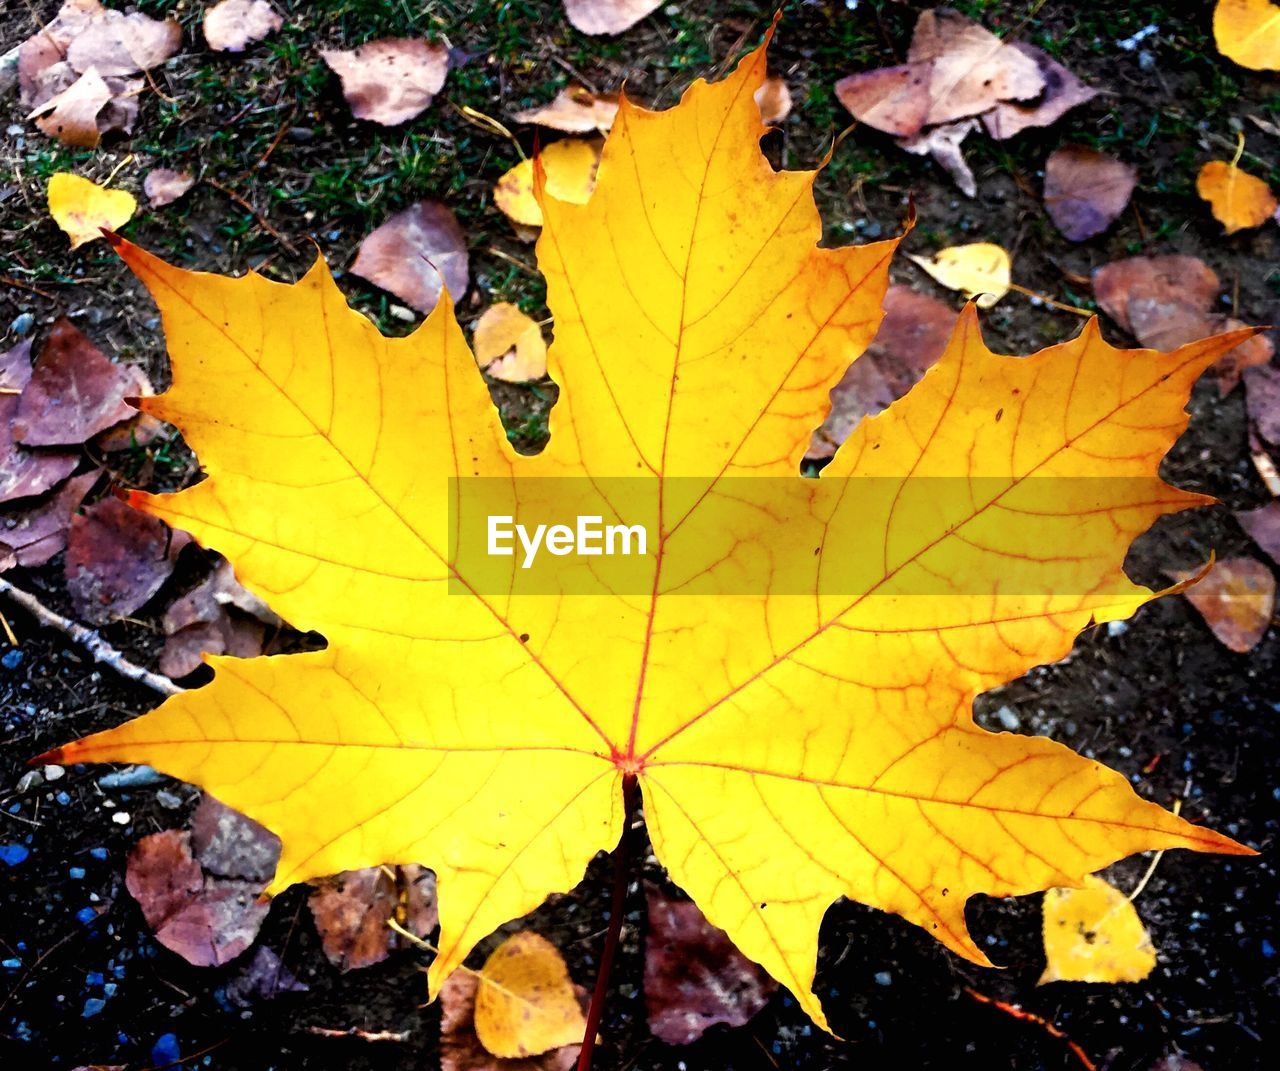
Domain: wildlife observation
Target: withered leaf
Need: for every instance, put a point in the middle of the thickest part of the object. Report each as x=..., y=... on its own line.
x=72, y=115
x=694, y=977
x=207, y=921
x=1085, y=190
x=390, y=82
x=415, y=254
x=117, y=558
x=351, y=911
x=34, y=534
x=74, y=392
x=1236, y=600
x=1062, y=92
x=460, y=1048
x=1263, y=527
x=608, y=16
x=575, y=110
x=228, y=844
x=234, y=25
x=163, y=185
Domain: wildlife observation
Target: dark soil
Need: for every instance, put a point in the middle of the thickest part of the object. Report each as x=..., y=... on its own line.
x=82, y=979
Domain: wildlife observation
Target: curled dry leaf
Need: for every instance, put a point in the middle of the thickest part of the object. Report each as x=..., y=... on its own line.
x=570, y=167
x=263, y=978
x=206, y=920
x=1165, y=302
x=912, y=336
x=955, y=68
x=1085, y=190
x=1062, y=92
x=774, y=99
x=202, y=622
x=1262, y=399
x=693, y=975
x=74, y=392
x=24, y=471
x=72, y=115
x=608, y=16
x=351, y=911
x=1094, y=934
x=234, y=25
x=1236, y=600
x=1261, y=525
x=509, y=345
x=229, y=844
x=117, y=558
x=119, y=44
x=943, y=144
x=390, y=82
x=83, y=208
x=526, y=1004
x=416, y=254
x=163, y=186
x=1248, y=32
x=1239, y=201
x=34, y=534
x=981, y=271
x=575, y=110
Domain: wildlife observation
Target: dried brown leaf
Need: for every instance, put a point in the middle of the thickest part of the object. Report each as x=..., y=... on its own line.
x=1062, y=92
x=413, y=252
x=34, y=534
x=390, y=82
x=575, y=110
x=608, y=16
x=1236, y=600
x=233, y=25
x=1085, y=190
x=163, y=185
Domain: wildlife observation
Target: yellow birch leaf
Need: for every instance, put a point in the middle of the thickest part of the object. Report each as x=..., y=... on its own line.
x=794, y=741
x=82, y=208
x=509, y=345
x=1248, y=32
x=1239, y=200
x=570, y=166
x=1093, y=934
x=981, y=270
x=526, y=1003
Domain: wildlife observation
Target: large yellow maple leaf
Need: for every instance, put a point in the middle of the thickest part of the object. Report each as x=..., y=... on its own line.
x=791, y=748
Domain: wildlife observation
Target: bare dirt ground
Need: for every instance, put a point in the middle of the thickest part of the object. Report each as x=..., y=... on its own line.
x=1159, y=700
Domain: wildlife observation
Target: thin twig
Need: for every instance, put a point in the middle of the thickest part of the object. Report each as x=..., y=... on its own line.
x=1031, y=1017
x=1049, y=301
x=90, y=640
x=360, y=1035
x=262, y=220
x=1155, y=861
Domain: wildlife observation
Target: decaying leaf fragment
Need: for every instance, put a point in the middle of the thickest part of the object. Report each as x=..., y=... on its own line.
x=416, y=254
x=1237, y=600
x=1085, y=190
x=233, y=25
x=789, y=751
x=1094, y=934
x=509, y=345
x=526, y=1003
x=575, y=110
x=608, y=16
x=392, y=81
x=569, y=167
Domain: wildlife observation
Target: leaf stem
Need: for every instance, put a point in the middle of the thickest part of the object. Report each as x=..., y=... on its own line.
x=617, y=906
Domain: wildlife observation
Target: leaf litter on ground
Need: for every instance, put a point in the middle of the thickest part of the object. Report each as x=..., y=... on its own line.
x=83, y=209
x=234, y=25
x=1237, y=600
x=416, y=254
x=1086, y=190
x=391, y=81
x=1094, y=934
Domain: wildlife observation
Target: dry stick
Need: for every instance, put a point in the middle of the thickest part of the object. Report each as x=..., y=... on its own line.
x=90, y=640
x=361, y=1035
x=262, y=220
x=617, y=905
x=1039, y=1020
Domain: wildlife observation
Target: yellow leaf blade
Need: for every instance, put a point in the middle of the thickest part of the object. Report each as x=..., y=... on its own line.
x=1094, y=934
x=83, y=208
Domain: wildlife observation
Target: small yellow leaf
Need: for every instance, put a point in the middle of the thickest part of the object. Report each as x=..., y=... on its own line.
x=1248, y=32
x=980, y=270
x=509, y=345
x=570, y=168
x=1093, y=934
x=1239, y=200
x=526, y=1004
x=82, y=208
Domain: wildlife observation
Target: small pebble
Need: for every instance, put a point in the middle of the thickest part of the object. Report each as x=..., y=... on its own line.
x=62, y=798
x=165, y=1051
x=1008, y=718
x=76, y=873
x=11, y=659
x=22, y=325
x=54, y=772
x=168, y=800
x=130, y=777
x=98, y=853
x=13, y=854
x=122, y=818
x=29, y=780
x=399, y=312
x=11, y=964
x=1117, y=628
x=884, y=978
x=93, y=978
x=92, y=1006
x=86, y=915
